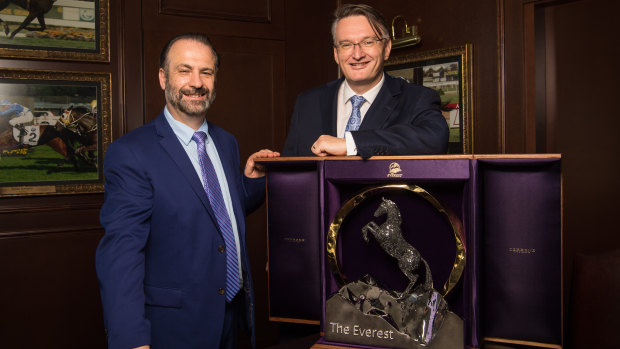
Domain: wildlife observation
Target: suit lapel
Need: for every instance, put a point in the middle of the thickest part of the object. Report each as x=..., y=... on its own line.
x=329, y=108
x=383, y=106
x=172, y=146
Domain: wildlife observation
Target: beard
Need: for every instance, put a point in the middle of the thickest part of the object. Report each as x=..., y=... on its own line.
x=192, y=108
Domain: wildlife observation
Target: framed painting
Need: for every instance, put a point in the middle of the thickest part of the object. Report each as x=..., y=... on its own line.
x=449, y=72
x=55, y=29
x=54, y=129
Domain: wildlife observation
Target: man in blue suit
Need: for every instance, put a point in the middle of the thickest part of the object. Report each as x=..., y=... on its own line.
x=367, y=112
x=173, y=265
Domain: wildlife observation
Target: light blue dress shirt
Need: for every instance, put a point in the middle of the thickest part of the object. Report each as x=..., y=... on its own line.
x=184, y=133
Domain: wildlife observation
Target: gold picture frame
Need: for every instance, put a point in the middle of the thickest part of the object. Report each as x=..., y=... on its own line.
x=61, y=126
x=448, y=71
x=74, y=31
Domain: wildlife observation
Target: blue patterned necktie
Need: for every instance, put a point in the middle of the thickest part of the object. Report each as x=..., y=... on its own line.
x=212, y=188
x=355, y=119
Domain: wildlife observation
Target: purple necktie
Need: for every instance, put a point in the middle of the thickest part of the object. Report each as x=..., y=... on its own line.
x=355, y=120
x=212, y=188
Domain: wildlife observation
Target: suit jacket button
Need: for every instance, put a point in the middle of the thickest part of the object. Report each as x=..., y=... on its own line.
x=221, y=248
x=221, y=291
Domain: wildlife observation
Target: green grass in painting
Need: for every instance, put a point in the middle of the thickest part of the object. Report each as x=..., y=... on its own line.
x=40, y=164
x=47, y=42
x=449, y=97
x=455, y=135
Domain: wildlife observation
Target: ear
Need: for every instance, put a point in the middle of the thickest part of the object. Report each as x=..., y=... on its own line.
x=162, y=78
x=388, y=49
x=336, y=56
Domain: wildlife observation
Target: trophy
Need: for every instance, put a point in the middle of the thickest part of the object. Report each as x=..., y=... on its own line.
x=369, y=313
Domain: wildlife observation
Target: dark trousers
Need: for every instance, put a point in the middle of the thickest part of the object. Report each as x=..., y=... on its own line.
x=232, y=321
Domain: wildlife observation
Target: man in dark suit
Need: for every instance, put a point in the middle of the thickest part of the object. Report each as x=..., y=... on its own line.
x=173, y=266
x=367, y=112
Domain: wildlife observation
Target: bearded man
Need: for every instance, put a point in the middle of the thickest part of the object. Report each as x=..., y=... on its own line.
x=173, y=266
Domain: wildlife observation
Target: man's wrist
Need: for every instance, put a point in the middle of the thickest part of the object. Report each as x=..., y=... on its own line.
x=350, y=144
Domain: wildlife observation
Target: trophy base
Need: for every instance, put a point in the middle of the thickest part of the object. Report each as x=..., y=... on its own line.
x=363, y=313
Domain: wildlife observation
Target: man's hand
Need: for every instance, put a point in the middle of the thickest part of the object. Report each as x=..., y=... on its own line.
x=143, y=347
x=254, y=170
x=329, y=145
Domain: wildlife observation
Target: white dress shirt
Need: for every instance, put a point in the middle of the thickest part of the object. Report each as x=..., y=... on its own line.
x=344, y=110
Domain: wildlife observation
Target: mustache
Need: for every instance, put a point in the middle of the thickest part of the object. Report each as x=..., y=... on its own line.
x=191, y=91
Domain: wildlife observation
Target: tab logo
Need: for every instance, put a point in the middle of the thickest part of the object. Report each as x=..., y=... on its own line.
x=394, y=170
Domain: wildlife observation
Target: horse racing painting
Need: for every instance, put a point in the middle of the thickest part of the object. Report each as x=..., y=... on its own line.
x=448, y=71
x=54, y=128
x=55, y=29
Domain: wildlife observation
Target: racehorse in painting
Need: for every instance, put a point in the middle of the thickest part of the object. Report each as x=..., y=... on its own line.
x=78, y=127
x=36, y=9
x=74, y=134
x=48, y=136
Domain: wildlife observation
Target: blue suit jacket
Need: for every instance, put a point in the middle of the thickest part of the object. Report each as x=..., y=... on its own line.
x=158, y=263
x=404, y=119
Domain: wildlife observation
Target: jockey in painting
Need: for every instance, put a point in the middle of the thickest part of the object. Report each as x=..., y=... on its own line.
x=20, y=115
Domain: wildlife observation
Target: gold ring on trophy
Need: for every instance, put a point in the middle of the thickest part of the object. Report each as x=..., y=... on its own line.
x=456, y=224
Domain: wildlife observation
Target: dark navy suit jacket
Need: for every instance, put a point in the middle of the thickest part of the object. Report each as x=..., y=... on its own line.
x=158, y=264
x=404, y=119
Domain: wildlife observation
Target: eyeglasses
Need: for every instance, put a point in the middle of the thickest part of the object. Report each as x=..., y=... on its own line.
x=347, y=46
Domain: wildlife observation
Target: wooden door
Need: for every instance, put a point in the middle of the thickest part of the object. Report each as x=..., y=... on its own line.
x=560, y=61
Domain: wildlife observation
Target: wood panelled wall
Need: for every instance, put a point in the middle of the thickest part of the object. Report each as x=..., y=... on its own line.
x=556, y=100
x=271, y=50
x=445, y=24
x=49, y=294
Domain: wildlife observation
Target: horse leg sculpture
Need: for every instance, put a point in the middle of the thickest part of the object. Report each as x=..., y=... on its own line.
x=372, y=226
x=412, y=280
x=408, y=262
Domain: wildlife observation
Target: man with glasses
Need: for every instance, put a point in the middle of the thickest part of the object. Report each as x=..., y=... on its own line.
x=367, y=112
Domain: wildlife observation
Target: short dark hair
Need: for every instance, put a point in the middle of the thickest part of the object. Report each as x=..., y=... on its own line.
x=198, y=37
x=375, y=18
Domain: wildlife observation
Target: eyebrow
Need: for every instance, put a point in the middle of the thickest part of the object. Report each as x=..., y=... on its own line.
x=365, y=38
x=184, y=65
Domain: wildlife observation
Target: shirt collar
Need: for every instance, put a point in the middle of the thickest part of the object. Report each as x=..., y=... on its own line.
x=369, y=95
x=183, y=132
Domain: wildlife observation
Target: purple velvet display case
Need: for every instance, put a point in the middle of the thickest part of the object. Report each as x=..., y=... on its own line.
x=511, y=210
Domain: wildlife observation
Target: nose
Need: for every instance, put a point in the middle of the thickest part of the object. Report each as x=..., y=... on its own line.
x=194, y=79
x=358, y=52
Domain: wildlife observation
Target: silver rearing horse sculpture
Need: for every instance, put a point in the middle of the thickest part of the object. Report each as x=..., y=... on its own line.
x=392, y=241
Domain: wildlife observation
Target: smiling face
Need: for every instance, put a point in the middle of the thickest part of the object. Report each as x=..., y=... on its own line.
x=362, y=67
x=189, y=80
